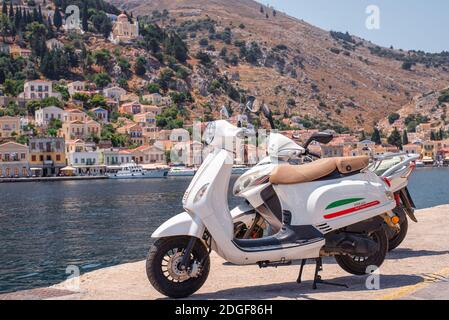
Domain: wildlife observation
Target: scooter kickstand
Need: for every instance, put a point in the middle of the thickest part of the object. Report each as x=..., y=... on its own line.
x=303, y=263
x=317, y=279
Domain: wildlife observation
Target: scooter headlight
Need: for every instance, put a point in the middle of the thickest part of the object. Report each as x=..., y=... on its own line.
x=209, y=133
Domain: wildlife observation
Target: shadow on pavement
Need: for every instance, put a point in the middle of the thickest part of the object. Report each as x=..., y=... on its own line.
x=292, y=290
x=409, y=253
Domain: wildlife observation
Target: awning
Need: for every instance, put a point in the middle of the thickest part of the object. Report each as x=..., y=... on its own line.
x=68, y=169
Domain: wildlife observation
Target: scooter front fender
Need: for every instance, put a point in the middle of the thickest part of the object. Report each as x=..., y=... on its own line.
x=181, y=225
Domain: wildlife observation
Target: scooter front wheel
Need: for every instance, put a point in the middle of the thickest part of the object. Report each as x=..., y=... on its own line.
x=359, y=265
x=164, y=270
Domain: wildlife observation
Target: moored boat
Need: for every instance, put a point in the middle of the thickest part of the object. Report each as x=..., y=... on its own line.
x=134, y=171
x=181, y=172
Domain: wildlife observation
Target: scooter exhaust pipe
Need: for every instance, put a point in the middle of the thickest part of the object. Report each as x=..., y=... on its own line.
x=351, y=244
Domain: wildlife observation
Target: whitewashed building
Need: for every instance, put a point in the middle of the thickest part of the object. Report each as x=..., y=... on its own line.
x=114, y=93
x=45, y=115
x=38, y=89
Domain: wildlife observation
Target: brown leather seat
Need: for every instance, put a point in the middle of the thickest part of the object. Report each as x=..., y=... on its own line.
x=288, y=174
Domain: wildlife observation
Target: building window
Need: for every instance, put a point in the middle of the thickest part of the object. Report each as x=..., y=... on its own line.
x=33, y=158
x=58, y=157
x=41, y=158
x=22, y=156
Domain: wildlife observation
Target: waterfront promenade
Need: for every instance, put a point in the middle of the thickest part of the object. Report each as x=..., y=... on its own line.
x=51, y=179
x=418, y=269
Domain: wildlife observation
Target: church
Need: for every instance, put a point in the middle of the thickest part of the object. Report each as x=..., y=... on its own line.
x=123, y=30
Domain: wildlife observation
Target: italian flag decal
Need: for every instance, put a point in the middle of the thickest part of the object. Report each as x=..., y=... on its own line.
x=345, y=202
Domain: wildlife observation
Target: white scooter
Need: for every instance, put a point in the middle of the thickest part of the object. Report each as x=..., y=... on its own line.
x=263, y=215
x=332, y=207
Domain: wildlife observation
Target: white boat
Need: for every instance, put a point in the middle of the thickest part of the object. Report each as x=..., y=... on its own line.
x=182, y=172
x=239, y=169
x=134, y=171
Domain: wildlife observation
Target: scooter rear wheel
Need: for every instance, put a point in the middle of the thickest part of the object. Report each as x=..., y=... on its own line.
x=164, y=272
x=359, y=265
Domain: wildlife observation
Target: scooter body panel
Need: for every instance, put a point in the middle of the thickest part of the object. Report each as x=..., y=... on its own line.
x=182, y=224
x=337, y=203
x=212, y=208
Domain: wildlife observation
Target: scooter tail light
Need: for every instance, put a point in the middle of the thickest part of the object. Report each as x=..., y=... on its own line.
x=387, y=182
x=397, y=197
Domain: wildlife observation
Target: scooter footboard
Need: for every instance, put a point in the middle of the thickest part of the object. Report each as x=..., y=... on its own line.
x=181, y=225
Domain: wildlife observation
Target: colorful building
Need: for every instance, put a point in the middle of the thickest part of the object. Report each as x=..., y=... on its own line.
x=9, y=127
x=47, y=156
x=14, y=160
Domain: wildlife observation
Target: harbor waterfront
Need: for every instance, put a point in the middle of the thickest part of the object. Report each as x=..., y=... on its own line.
x=47, y=227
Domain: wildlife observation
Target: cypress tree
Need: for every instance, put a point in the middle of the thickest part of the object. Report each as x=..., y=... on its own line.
x=376, y=137
x=433, y=137
x=11, y=10
x=85, y=23
x=18, y=18
x=35, y=15
x=57, y=19
x=441, y=134
x=40, y=16
x=4, y=8
x=405, y=138
x=395, y=139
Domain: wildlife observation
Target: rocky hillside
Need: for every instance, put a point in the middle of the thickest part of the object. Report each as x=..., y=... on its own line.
x=430, y=107
x=300, y=70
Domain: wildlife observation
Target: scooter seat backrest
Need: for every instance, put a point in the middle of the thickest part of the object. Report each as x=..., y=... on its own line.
x=348, y=165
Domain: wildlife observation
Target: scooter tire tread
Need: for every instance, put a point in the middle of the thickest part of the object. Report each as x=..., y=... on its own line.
x=156, y=276
x=360, y=269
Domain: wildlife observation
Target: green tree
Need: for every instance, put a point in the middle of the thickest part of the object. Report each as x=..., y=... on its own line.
x=393, y=117
x=433, y=136
x=102, y=58
x=176, y=47
x=4, y=8
x=85, y=17
x=204, y=58
x=395, y=139
x=12, y=87
x=154, y=88
x=101, y=80
x=53, y=126
x=140, y=66
x=405, y=138
x=37, y=35
x=376, y=137
x=57, y=19
x=6, y=27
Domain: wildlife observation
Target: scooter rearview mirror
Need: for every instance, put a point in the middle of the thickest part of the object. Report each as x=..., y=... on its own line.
x=321, y=137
